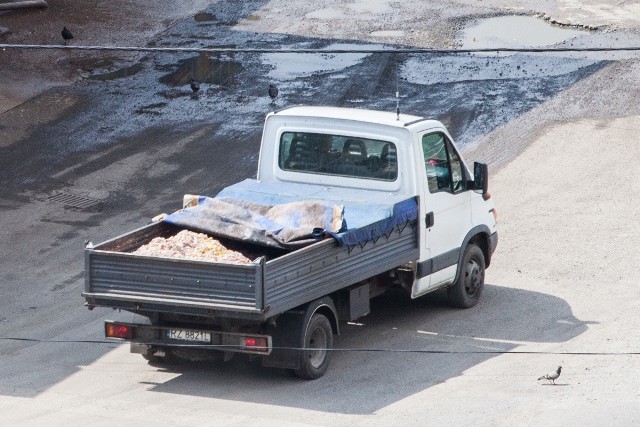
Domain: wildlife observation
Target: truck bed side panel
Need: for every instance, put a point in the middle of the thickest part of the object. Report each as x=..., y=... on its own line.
x=321, y=269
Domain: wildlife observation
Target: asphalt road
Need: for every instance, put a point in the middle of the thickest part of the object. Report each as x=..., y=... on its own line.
x=105, y=142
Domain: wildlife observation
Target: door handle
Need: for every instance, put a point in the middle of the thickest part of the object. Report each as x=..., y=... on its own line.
x=429, y=220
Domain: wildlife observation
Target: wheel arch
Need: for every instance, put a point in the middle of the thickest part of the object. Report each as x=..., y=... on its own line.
x=479, y=236
x=326, y=307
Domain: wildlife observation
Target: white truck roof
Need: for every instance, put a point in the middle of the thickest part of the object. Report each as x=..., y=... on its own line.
x=389, y=118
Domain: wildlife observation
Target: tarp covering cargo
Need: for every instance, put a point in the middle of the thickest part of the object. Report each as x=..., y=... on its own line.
x=289, y=215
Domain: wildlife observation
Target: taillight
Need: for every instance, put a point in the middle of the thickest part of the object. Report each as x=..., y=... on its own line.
x=256, y=343
x=118, y=330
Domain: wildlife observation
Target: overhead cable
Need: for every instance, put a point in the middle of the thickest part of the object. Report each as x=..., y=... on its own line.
x=320, y=50
x=340, y=350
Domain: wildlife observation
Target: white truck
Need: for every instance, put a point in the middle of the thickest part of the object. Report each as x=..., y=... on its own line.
x=346, y=204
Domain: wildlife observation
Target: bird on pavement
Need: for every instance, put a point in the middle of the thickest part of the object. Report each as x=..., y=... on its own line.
x=553, y=376
x=273, y=92
x=66, y=35
x=195, y=87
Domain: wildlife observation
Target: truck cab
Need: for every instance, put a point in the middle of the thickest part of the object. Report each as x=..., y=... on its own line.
x=353, y=154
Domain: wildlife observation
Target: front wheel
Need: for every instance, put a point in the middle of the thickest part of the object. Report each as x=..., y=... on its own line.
x=317, y=342
x=466, y=290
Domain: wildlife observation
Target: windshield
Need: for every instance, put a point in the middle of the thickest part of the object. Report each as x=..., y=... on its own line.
x=338, y=155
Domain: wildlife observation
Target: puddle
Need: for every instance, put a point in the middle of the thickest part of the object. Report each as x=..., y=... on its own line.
x=151, y=108
x=289, y=66
x=204, y=17
x=516, y=32
x=91, y=63
x=204, y=69
x=118, y=74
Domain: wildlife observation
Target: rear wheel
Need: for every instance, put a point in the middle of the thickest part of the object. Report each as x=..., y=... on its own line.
x=466, y=290
x=317, y=342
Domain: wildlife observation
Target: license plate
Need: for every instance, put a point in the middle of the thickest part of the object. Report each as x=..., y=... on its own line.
x=185, y=335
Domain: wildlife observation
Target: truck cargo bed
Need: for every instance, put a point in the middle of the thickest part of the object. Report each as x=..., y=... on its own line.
x=274, y=282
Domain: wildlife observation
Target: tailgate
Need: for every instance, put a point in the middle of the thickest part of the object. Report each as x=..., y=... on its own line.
x=116, y=278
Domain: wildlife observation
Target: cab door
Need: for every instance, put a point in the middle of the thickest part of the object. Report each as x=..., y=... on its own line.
x=445, y=211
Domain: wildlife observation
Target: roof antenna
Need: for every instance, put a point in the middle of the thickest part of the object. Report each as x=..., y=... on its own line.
x=397, y=94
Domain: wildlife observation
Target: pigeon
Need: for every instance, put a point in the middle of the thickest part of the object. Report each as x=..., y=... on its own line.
x=273, y=92
x=66, y=35
x=553, y=376
x=195, y=87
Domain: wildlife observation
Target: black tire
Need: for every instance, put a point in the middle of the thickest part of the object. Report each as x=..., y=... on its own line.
x=318, y=340
x=466, y=290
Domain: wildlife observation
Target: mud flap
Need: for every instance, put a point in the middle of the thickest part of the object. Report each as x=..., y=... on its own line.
x=285, y=339
x=288, y=334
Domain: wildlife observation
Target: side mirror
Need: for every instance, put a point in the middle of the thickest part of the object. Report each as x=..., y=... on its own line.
x=481, y=177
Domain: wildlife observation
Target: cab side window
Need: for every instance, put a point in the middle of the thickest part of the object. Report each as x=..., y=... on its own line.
x=442, y=164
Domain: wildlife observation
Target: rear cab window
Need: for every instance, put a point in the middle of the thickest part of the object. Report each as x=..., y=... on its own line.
x=338, y=155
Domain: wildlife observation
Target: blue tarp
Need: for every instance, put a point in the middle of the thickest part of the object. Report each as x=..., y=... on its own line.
x=403, y=213
x=290, y=215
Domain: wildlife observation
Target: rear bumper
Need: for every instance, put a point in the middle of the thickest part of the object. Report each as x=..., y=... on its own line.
x=160, y=337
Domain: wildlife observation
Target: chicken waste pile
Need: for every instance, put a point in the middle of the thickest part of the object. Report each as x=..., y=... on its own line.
x=191, y=245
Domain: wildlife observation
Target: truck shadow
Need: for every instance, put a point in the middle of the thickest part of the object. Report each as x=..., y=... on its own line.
x=386, y=356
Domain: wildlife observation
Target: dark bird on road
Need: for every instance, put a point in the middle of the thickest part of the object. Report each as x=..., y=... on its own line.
x=553, y=376
x=195, y=87
x=66, y=35
x=273, y=92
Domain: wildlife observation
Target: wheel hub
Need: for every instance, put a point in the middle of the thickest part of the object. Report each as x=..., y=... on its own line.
x=473, y=278
x=318, y=340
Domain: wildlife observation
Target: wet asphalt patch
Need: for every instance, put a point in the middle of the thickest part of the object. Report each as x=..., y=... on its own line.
x=471, y=93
